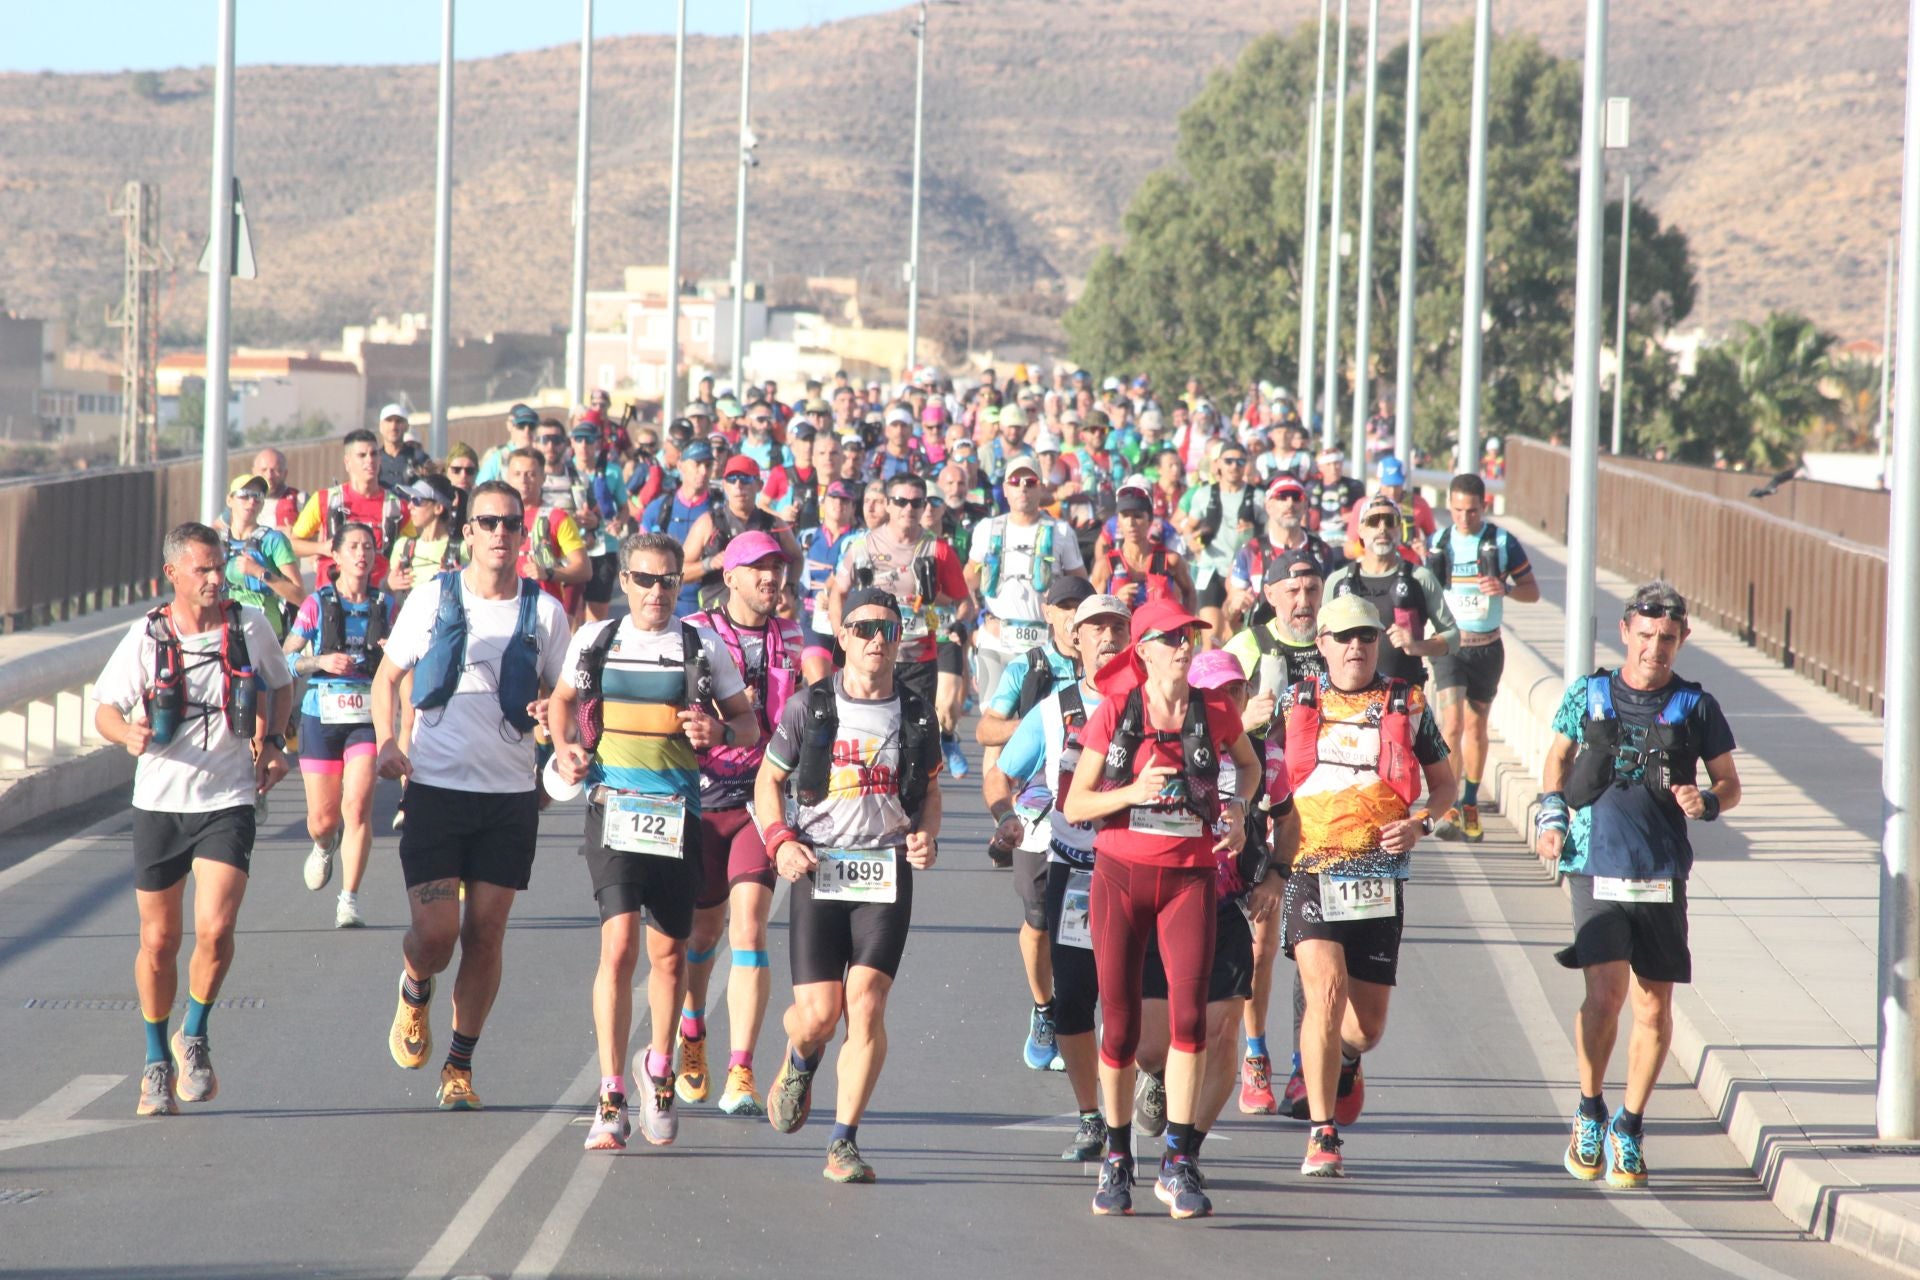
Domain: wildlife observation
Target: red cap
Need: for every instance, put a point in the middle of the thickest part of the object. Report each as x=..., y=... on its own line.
x=741, y=465
x=1126, y=669
x=1162, y=615
x=594, y=416
x=1284, y=485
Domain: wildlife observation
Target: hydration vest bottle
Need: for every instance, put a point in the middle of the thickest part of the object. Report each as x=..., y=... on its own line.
x=167, y=704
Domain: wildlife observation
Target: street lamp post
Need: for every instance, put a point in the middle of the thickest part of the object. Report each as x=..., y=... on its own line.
x=1409, y=244
x=1474, y=291
x=913, y=234
x=577, y=355
x=213, y=432
x=1310, y=281
x=670, y=401
x=1330, y=376
x=1582, y=509
x=442, y=240
x=1618, y=136
x=1363, y=273
x=747, y=161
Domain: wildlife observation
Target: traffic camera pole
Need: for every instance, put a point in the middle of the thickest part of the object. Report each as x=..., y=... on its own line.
x=442, y=240
x=1473, y=304
x=1582, y=512
x=1409, y=243
x=213, y=447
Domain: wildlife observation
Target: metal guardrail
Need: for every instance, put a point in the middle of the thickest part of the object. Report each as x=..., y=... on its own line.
x=46, y=700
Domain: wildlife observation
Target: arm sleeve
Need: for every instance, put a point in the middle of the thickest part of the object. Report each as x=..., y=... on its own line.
x=982, y=536
x=1066, y=545
x=1006, y=694
x=1567, y=721
x=1716, y=735
x=1098, y=734
x=567, y=534
x=307, y=525
x=280, y=553
x=1517, y=562
x=948, y=579
x=306, y=623
x=1025, y=753
x=1438, y=613
x=577, y=646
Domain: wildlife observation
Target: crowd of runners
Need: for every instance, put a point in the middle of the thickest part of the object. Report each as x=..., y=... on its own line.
x=1224, y=685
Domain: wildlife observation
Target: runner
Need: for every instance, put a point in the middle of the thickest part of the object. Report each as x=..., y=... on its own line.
x=861, y=756
x=553, y=552
x=521, y=421
x=261, y=568
x=1332, y=496
x=434, y=546
x=1286, y=521
x=400, y=458
x=338, y=636
x=675, y=512
x=482, y=645
x=1136, y=568
x=737, y=875
x=629, y=714
x=1217, y=519
x=1481, y=566
x=722, y=522
x=823, y=555
x=1150, y=776
x=359, y=498
x=462, y=465
x=179, y=695
x=1352, y=740
x=1622, y=779
x=1421, y=625
x=283, y=502
x=1417, y=525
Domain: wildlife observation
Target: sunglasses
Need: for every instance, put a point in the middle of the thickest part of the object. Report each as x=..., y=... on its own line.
x=917, y=504
x=1677, y=612
x=1365, y=635
x=741, y=477
x=1022, y=482
x=887, y=629
x=1236, y=461
x=1173, y=639
x=1290, y=497
x=553, y=439
x=647, y=581
x=461, y=471
x=761, y=422
x=646, y=442
x=248, y=495
x=512, y=524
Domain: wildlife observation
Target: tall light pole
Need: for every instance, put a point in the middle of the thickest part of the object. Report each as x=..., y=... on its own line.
x=1473, y=305
x=1409, y=243
x=1310, y=281
x=913, y=234
x=1363, y=274
x=747, y=144
x=1329, y=429
x=670, y=402
x=577, y=354
x=1582, y=510
x=213, y=433
x=1897, y=1101
x=1620, y=321
x=1886, y=364
x=442, y=240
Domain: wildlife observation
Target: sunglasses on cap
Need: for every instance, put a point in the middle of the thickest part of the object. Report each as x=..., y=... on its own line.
x=647, y=581
x=512, y=524
x=887, y=629
x=1677, y=612
x=1365, y=635
x=1177, y=639
x=916, y=504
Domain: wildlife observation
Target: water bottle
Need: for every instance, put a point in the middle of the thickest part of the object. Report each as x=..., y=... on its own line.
x=1489, y=558
x=1117, y=770
x=167, y=704
x=243, y=703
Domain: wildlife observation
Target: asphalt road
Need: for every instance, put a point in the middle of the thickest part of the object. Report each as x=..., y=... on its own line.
x=320, y=1157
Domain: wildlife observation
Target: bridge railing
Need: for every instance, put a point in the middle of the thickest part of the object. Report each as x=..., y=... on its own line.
x=1812, y=599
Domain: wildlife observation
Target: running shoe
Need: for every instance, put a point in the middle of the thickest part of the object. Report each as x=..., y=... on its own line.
x=456, y=1089
x=1294, y=1100
x=1448, y=828
x=1256, y=1086
x=1470, y=823
x=156, y=1091
x=693, y=1081
x=1089, y=1140
x=659, y=1122
x=1352, y=1097
x=1586, y=1158
x=193, y=1078
x=411, y=1038
x=1323, y=1154
x=610, y=1124
x=1178, y=1187
x=346, y=915
x=1040, y=1049
x=319, y=867
x=790, y=1100
x=740, y=1098
x=1149, y=1103
x=845, y=1163
x=1626, y=1163
x=1114, y=1196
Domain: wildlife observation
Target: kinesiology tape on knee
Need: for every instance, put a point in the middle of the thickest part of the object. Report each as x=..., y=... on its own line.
x=701, y=957
x=749, y=959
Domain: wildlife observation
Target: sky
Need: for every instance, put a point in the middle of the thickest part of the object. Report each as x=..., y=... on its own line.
x=154, y=35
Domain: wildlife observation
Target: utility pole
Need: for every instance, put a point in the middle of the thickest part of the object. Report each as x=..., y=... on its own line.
x=442, y=241
x=1582, y=513
x=213, y=447
x=1329, y=425
x=1310, y=281
x=1409, y=243
x=747, y=161
x=1886, y=363
x=670, y=402
x=913, y=234
x=577, y=357
x=1363, y=274
x=1473, y=306
x=1620, y=321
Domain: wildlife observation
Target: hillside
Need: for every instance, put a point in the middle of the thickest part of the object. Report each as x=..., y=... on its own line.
x=1770, y=134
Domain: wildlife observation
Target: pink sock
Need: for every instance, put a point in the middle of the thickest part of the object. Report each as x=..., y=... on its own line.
x=659, y=1065
x=692, y=1027
x=613, y=1084
x=740, y=1058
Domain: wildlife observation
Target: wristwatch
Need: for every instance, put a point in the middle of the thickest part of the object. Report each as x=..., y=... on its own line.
x=1425, y=820
x=278, y=741
x=726, y=733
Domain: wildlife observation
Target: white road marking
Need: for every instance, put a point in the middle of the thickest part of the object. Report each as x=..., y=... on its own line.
x=53, y=1120
x=52, y=857
x=1069, y=1122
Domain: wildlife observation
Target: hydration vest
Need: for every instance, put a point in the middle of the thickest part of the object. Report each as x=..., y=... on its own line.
x=1040, y=562
x=1300, y=744
x=1281, y=664
x=333, y=625
x=1202, y=777
x=1136, y=590
x=1409, y=602
x=1663, y=757
x=590, y=711
x=782, y=651
x=924, y=582
x=437, y=674
x=450, y=556
x=1213, y=513
x=333, y=502
x=806, y=496
x=919, y=733
x=238, y=699
x=1493, y=557
x=1037, y=683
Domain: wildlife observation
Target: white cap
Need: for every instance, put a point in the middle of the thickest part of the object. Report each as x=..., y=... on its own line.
x=392, y=411
x=1101, y=607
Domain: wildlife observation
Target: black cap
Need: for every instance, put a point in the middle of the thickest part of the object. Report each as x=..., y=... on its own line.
x=1067, y=591
x=1133, y=498
x=1296, y=562
x=861, y=597
x=800, y=431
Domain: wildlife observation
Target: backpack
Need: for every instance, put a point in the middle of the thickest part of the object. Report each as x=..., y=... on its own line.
x=1409, y=601
x=1300, y=743
x=1664, y=754
x=437, y=674
x=1493, y=547
x=333, y=503
x=333, y=625
x=1196, y=748
x=919, y=735
x=1037, y=683
x=1040, y=567
x=590, y=711
x=238, y=698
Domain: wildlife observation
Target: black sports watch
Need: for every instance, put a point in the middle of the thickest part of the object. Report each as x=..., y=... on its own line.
x=278, y=741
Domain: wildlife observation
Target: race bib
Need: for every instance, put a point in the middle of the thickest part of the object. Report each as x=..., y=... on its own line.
x=1165, y=822
x=647, y=825
x=1076, y=917
x=855, y=875
x=1374, y=898
x=1023, y=635
x=346, y=706
x=1471, y=606
x=913, y=626
x=1615, y=889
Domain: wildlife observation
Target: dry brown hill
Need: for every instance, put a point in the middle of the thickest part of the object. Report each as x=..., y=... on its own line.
x=1768, y=132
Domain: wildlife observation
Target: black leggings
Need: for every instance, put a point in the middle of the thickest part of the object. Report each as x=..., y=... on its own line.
x=825, y=939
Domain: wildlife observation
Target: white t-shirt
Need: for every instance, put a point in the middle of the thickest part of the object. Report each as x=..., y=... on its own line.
x=205, y=768
x=1017, y=599
x=466, y=745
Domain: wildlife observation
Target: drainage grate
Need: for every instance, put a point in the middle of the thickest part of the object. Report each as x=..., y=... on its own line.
x=19, y=1195
x=85, y=1004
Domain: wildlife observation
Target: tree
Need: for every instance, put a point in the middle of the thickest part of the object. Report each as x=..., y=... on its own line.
x=146, y=84
x=1207, y=279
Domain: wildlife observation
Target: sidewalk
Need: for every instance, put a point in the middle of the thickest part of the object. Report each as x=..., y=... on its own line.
x=1778, y=1028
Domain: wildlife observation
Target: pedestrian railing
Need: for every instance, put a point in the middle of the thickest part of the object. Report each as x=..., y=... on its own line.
x=46, y=701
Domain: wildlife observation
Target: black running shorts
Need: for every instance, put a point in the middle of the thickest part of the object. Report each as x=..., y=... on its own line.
x=166, y=844
x=469, y=835
x=825, y=939
x=664, y=888
x=1030, y=883
x=1476, y=669
x=1372, y=946
x=1649, y=936
x=606, y=570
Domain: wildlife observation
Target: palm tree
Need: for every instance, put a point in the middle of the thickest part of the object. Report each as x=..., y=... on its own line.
x=1855, y=383
x=1782, y=363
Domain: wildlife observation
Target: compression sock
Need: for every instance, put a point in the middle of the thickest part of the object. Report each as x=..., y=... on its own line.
x=1629, y=1122
x=804, y=1065
x=740, y=1058
x=658, y=1065
x=1120, y=1139
x=846, y=1131
x=693, y=1024
x=156, y=1039
x=195, y=1023
x=613, y=1086
x=460, y=1051
x=1179, y=1138
x=414, y=991
x=1470, y=791
x=1256, y=1046
x=1594, y=1108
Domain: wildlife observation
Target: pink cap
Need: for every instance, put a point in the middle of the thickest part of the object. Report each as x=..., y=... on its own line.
x=1213, y=669
x=750, y=548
